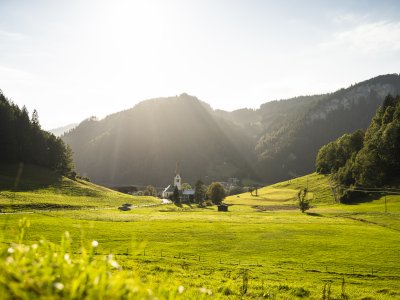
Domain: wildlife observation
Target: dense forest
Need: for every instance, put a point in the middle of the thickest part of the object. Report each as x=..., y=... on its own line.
x=280, y=140
x=23, y=140
x=370, y=159
x=142, y=145
x=288, y=147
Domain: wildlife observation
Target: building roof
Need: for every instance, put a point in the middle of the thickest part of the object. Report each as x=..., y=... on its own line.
x=188, y=192
x=168, y=189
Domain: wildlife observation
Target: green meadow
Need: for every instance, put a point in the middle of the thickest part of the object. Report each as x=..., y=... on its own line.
x=264, y=247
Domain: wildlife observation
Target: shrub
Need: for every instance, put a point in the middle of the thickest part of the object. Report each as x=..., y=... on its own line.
x=300, y=292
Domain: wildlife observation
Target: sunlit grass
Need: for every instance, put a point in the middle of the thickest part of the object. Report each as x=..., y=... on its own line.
x=287, y=254
x=46, y=270
x=49, y=192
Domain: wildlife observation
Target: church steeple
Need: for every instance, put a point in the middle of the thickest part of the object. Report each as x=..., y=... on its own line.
x=177, y=178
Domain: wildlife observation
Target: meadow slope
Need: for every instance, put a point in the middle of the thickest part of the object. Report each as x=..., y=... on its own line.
x=263, y=247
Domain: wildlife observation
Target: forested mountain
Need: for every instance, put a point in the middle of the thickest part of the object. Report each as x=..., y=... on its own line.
x=275, y=142
x=142, y=145
x=22, y=140
x=290, y=143
x=367, y=160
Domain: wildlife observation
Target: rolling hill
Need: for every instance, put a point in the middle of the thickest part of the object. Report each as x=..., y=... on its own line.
x=33, y=188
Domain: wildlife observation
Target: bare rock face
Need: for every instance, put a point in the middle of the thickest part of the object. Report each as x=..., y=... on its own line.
x=353, y=96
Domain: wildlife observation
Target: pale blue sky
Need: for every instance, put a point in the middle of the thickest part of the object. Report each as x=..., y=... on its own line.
x=73, y=59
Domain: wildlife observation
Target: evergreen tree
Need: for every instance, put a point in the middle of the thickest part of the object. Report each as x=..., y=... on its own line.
x=176, y=196
x=35, y=119
x=24, y=141
x=199, y=192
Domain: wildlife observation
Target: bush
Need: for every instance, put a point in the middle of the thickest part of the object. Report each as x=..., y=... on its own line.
x=208, y=203
x=300, y=292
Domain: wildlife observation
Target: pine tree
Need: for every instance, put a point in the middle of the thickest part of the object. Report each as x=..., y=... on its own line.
x=175, y=196
x=199, y=192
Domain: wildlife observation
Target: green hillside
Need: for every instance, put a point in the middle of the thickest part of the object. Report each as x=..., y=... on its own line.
x=350, y=250
x=28, y=188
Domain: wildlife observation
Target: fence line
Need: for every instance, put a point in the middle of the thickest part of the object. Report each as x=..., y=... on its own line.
x=190, y=259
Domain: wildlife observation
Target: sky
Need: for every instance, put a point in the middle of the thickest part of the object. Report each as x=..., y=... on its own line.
x=79, y=58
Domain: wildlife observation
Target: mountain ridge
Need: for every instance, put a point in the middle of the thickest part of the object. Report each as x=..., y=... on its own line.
x=275, y=142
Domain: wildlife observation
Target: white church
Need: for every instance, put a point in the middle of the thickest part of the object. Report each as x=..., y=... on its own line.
x=169, y=190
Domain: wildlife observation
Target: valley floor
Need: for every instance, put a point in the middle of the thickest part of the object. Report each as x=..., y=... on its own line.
x=262, y=248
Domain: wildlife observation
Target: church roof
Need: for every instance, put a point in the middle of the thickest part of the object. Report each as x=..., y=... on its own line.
x=168, y=189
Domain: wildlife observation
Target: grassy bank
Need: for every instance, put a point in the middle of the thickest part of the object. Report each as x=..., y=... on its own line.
x=263, y=247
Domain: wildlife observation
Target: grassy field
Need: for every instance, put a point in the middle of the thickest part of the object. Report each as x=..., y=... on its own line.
x=31, y=188
x=262, y=248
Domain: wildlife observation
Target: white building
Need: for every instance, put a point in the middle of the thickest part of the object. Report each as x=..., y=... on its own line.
x=169, y=190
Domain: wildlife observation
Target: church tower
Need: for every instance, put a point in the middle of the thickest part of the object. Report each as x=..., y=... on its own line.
x=177, y=178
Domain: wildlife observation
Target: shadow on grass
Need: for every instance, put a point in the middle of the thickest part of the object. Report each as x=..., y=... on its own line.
x=355, y=198
x=29, y=178
x=20, y=177
x=38, y=206
x=314, y=214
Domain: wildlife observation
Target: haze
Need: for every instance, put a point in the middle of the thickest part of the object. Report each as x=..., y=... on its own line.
x=74, y=59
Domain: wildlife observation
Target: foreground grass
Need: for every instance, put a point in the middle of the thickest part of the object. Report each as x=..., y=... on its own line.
x=47, y=270
x=261, y=248
x=284, y=253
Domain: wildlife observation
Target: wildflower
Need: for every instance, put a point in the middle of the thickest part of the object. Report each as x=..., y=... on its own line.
x=22, y=248
x=95, y=244
x=10, y=250
x=58, y=285
x=34, y=246
x=9, y=260
x=114, y=264
x=203, y=290
x=181, y=289
x=67, y=258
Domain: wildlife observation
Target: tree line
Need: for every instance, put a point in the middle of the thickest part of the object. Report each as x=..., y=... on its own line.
x=370, y=158
x=23, y=140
